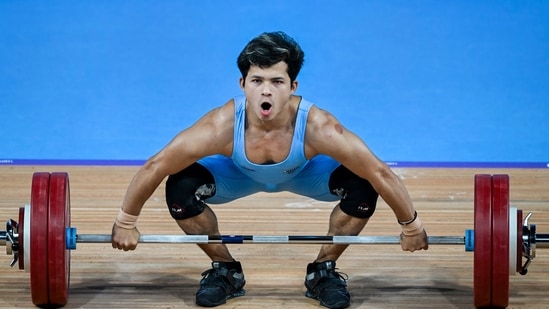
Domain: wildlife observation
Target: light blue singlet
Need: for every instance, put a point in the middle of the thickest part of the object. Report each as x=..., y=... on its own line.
x=236, y=177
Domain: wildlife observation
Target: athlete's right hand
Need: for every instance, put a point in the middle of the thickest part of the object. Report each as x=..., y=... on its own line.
x=124, y=239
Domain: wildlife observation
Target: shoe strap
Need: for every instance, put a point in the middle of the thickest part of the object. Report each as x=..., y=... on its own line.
x=219, y=271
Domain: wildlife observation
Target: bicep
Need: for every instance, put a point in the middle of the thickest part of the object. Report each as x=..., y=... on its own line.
x=328, y=136
x=351, y=151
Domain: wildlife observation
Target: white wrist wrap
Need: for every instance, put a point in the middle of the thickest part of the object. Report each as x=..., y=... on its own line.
x=413, y=229
x=125, y=220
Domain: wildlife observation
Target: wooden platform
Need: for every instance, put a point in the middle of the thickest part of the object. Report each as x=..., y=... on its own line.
x=380, y=276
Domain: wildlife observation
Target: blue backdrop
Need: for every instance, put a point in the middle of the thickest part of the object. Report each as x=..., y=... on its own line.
x=422, y=82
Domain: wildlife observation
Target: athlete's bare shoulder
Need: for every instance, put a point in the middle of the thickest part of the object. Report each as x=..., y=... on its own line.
x=217, y=125
x=211, y=134
x=220, y=116
x=322, y=123
x=323, y=129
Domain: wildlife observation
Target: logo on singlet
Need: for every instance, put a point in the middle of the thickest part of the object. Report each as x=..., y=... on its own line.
x=247, y=168
x=291, y=171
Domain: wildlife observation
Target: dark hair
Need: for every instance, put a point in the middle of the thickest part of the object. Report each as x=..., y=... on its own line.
x=268, y=49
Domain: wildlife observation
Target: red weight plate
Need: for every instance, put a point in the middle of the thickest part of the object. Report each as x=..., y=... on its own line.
x=483, y=241
x=39, y=239
x=519, y=240
x=500, y=241
x=21, y=240
x=58, y=255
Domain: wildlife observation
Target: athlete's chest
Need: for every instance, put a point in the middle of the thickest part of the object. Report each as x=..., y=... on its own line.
x=268, y=147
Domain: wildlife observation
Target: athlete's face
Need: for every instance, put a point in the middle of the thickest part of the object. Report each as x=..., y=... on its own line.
x=268, y=90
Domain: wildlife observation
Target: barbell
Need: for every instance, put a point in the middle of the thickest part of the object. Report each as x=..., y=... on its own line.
x=42, y=239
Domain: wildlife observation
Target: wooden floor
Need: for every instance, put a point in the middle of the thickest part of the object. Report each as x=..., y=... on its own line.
x=380, y=276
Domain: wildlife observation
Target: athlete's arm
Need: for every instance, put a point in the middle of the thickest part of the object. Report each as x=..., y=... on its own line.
x=326, y=135
x=212, y=134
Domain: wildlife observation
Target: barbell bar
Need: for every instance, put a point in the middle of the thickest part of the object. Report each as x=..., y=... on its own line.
x=265, y=239
x=42, y=239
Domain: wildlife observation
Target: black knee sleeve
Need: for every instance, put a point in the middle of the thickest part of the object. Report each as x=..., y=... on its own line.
x=186, y=190
x=358, y=197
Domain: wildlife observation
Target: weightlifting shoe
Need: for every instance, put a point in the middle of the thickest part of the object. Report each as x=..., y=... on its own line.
x=223, y=281
x=327, y=285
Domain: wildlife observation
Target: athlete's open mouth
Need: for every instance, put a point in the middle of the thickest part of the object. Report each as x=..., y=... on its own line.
x=266, y=108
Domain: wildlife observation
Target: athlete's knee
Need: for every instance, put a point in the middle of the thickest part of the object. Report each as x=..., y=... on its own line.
x=358, y=197
x=359, y=203
x=186, y=191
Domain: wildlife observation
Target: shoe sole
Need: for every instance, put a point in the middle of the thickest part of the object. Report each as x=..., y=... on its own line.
x=241, y=292
x=337, y=306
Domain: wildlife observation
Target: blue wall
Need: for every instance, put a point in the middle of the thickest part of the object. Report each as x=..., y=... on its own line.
x=419, y=81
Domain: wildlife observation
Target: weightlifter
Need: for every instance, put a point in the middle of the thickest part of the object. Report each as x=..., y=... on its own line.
x=268, y=140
